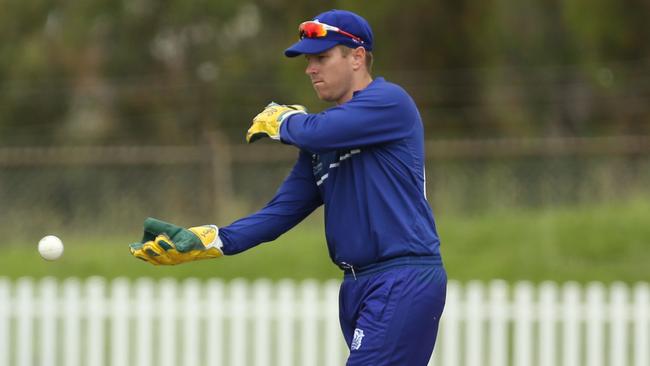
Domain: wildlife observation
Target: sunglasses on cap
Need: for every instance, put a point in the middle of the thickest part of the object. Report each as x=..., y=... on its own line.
x=316, y=29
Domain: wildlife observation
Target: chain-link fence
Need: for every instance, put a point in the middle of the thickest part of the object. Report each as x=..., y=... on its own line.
x=108, y=190
x=474, y=177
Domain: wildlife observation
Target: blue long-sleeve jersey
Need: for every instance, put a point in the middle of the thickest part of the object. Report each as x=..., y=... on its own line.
x=364, y=161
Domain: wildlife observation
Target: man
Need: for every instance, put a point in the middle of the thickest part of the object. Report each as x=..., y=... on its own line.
x=363, y=159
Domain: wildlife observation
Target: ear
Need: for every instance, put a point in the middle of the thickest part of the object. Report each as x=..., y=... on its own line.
x=358, y=57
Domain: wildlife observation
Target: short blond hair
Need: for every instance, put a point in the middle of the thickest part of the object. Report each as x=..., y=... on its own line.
x=345, y=50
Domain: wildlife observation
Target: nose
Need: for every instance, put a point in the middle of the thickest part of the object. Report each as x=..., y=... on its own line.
x=311, y=68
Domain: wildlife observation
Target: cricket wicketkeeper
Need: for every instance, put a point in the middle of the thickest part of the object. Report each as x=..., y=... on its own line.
x=363, y=159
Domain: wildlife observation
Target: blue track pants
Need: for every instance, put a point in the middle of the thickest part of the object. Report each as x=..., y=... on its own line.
x=390, y=316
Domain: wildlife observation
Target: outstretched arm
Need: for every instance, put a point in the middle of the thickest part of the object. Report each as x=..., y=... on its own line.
x=296, y=198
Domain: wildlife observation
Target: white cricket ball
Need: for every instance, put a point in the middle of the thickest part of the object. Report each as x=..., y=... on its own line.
x=50, y=247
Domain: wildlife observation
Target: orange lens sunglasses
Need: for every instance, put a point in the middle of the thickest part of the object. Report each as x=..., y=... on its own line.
x=316, y=29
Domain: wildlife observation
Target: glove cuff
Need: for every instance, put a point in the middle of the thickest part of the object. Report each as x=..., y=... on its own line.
x=205, y=235
x=283, y=118
x=216, y=243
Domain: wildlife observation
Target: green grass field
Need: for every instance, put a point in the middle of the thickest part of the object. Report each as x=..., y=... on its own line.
x=605, y=242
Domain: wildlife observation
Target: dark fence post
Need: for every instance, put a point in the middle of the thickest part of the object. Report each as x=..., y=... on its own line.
x=220, y=160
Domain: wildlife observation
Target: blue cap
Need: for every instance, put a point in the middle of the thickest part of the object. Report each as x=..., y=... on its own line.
x=344, y=20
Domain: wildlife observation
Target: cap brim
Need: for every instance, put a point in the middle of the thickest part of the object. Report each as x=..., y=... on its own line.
x=310, y=46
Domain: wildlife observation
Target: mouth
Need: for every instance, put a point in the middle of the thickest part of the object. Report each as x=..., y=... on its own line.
x=317, y=82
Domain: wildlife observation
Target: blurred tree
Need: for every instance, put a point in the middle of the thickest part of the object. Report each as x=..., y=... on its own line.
x=164, y=72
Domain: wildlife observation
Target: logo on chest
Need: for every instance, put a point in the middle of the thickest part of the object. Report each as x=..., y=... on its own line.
x=323, y=164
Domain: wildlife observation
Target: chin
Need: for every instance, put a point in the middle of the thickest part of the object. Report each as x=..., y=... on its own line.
x=322, y=96
x=326, y=97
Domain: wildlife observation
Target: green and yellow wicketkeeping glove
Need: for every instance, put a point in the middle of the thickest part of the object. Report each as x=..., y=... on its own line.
x=267, y=123
x=165, y=243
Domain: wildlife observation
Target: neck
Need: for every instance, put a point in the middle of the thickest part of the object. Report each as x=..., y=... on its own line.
x=359, y=83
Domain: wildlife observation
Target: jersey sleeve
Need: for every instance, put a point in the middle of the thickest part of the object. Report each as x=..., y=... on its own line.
x=371, y=117
x=297, y=197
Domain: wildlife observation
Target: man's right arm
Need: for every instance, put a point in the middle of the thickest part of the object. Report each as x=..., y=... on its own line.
x=168, y=244
x=297, y=197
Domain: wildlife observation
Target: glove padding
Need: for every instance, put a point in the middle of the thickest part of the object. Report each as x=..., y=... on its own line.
x=267, y=123
x=165, y=243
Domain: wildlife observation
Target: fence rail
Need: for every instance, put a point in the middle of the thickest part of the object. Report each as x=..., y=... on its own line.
x=96, y=322
x=264, y=153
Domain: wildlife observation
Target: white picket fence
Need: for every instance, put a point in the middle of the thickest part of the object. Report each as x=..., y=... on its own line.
x=285, y=323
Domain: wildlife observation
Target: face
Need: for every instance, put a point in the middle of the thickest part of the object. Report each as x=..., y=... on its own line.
x=331, y=74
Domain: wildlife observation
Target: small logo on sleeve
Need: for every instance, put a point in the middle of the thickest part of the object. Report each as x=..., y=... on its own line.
x=356, y=341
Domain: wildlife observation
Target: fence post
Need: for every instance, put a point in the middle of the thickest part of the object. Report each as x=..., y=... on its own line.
x=238, y=308
x=523, y=333
x=221, y=165
x=595, y=312
x=5, y=316
x=474, y=324
x=71, y=322
x=215, y=312
x=167, y=317
x=498, y=308
x=450, y=324
x=618, y=316
x=94, y=310
x=333, y=343
x=642, y=323
x=285, y=315
x=262, y=330
x=144, y=307
x=119, y=315
x=547, y=314
x=571, y=329
x=24, y=322
x=48, y=316
x=189, y=315
x=308, y=335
